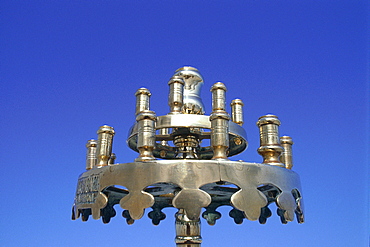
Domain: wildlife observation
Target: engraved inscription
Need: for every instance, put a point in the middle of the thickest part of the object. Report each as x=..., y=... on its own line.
x=87, y=189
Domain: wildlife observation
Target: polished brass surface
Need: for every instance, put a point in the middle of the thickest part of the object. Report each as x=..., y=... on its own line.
x=190, y=185
x=219, y=134
x=218, y=97
x=104, y=146
x=112, y=159
x=146, y=135
x=91, y=154
x=287, y=156
x=237, y=111
x=187, y=231
x=219, y=122
x=187, y=146
x=142, y=100
x=270, y=147
x=183, y=163
x=192, y=102
x=176, y=95
x=202, y=122
x=164, y=132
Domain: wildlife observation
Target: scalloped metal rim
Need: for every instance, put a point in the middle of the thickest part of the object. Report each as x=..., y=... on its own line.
x=137, y=176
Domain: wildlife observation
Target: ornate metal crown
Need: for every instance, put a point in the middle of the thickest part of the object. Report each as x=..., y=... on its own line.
x=174, y=169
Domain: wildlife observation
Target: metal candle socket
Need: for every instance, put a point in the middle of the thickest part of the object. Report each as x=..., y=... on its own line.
x=270, y=147
x=219, y=122
x=91, y=154
x=104, y=147
x=287, y=155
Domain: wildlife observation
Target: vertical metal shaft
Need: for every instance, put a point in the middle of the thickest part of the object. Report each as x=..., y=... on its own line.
x=104, y=147
x=142, y=100
x=287, y=155
x=237, y=111
x=187, y=231
x=164, y=131
x=146, y=135
x=218, y=97
x=176, y=94
x=91, y=154
x=270, y=148
x=146, y=125
x=184, y=98
x=187, y=146
x=219, y=122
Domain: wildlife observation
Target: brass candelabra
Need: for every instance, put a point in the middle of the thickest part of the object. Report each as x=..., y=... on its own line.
x=174, y=169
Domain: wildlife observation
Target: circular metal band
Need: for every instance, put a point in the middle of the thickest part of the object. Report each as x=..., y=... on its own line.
x=237, y=135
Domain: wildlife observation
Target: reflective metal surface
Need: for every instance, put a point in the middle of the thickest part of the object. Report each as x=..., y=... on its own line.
x=174, y=167
x=219, y=122
x=237, y=111
x=287, y=156
x=270, y=147
x=104, y=146
x=91, y=154
x=192, y=102
x=189, y=185
x=237, y=135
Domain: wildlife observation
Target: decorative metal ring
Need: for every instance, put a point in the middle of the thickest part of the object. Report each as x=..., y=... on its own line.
x=237, y=135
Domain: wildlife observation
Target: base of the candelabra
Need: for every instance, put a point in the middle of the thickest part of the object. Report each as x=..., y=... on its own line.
x=189, y=185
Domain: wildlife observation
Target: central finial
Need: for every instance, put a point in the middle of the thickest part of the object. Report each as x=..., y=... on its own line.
x=193, y=83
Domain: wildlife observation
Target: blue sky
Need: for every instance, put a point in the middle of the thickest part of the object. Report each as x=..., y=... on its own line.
x=68, y=67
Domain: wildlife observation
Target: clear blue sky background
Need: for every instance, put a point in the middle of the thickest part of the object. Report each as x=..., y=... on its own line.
x=68, y=67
